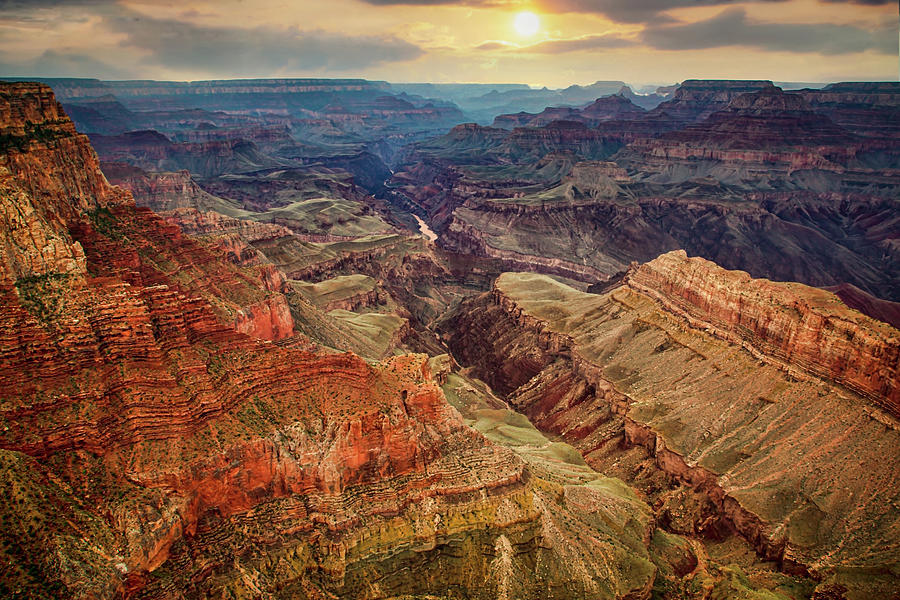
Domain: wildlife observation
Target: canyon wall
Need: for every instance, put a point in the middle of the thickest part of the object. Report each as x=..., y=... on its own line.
x=803, y=328
x=775, y=438
x=150, y=450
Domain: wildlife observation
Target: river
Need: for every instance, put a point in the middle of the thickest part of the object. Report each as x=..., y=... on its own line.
x=425, y=229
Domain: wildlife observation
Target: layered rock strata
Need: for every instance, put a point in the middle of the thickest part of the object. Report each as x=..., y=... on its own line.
x=770, y=432
x=164, y=191
x=803, y=328
x=150, y=450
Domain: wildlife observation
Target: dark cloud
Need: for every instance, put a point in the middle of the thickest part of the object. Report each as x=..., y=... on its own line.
x=8, y=5
x=622, y=11
x=234, y=51
x=731, y=27
x=631, y=11
x=57, y=64
x=863, y=2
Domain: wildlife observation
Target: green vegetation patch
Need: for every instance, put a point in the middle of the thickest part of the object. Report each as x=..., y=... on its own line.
x=44, y=296
x=106, y=223
x=336, y=289
x=41, y=133
x=380, y=329
x=332, y=216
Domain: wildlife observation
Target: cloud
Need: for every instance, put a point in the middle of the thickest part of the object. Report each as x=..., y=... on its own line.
x=863, y=2
x=496, y=45
x=732, y=28
x=622, y=11
x=236, y=52
x=13, y=5
x=631, y=11
x=589, y=42
x=57, y=64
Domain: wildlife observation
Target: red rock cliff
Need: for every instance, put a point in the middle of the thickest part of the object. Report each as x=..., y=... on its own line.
x=799, y=326
x=134, y=419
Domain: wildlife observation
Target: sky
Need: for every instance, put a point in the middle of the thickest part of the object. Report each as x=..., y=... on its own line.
x=642, y=42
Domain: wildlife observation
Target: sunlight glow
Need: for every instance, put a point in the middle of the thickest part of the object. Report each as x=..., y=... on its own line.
x=526, y=24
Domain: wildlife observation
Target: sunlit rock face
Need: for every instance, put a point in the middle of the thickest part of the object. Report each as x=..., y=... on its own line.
x=775, y=401
x=156, y=443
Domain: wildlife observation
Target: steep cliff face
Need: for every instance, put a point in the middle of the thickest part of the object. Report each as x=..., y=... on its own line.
x=471, y=143
x=266, y=137
x=150, y=450
x=608, y=108
x=153, y=151
x=738, y=172
x=802, y=327
x=392, y=261
x=164, y=191
x=866, y=108
x=765, y=127
x=269, y=319
x=883, y=310
x=818, y=239
x=49, y=174
x=559, y=136
x=707, y=384
x=696, y=99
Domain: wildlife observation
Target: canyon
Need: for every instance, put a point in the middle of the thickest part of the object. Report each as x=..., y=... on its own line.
x=784, y=185
x=321, y=338
x=687, y=367
x=149, y=441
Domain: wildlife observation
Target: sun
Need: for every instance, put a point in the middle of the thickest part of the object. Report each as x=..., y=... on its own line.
x=526, y=24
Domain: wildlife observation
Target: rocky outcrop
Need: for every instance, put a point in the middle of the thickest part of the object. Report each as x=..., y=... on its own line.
x=102, y=114
x=865, y=108
x=269, y=319
x=462, y=238
x=559, y=136
x=270, y=114
x=347, y=292
x=883, y=310
x=163, y=191
x=470, y=136
x=608, y=108
x=782, y=190
x=197, y=223
x=364, y=115
x=768, y=126
x=696, y=99
x=152, y=151
x=596, y=219
x=800, y=327
x=264, y=136
x=470, y=143
x=40, y=190
x=766, y=434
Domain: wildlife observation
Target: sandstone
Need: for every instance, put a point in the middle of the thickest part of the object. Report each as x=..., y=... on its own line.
x=151, y=450
x=716, y=402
